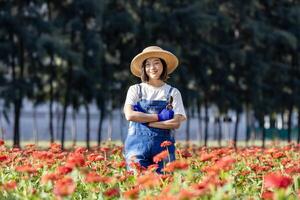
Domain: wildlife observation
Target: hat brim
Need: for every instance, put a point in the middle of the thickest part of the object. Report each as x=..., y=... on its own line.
x=170, y=59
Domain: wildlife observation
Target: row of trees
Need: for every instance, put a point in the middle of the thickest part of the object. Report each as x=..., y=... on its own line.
x=237, y=55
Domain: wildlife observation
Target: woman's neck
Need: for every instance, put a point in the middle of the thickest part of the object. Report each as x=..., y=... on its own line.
x=156, y=83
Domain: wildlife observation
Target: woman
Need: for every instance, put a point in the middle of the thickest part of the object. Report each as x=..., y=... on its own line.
x=153, y=108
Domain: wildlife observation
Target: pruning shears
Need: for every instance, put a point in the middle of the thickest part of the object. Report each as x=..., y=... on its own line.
x=169, y=105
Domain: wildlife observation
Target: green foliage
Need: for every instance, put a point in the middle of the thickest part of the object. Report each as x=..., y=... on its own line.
x=231, y=53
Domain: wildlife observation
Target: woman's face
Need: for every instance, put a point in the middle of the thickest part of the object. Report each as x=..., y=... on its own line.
x=153, y=68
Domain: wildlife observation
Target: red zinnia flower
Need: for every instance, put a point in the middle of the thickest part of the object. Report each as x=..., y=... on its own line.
x=184, y=153
x=267, y=195
x=10, y=185
x=93, y=177
x=276, y=180
x=152, y=167
x=148, y=180
x=206, y=156
x=2, y=142
x=112, y=192
x=26, y=168
x=292, y=170
x=131, y=194
x=159, y=157
x=64, y=187
x=175, y=165
x=75, y=159
x=3, y=157
x=64, y=170
x=225, y=163
x=49, y=177
x=80, y=150
x=166, y=143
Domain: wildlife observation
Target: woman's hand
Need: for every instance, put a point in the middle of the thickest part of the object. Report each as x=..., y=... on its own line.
x=168, y=124
x=165, y=114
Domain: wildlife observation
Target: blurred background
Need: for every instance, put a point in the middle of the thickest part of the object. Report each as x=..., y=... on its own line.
x=64, y=67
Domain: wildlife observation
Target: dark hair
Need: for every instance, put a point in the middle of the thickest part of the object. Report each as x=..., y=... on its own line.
x=163, y=76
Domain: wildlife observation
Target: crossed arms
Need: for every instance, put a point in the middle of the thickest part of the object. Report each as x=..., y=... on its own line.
x=152, y=119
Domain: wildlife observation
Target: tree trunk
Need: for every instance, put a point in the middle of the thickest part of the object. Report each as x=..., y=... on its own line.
x=17, y=114
x=298, y=139
x=206, y=122
x=52, y=76
x=247, y=124
x=74, y=127
x=101, y=117
x=110, y=125
x=199, y=121
x=290, y=123
x=87, y=110
x=67, y=94
x=236, y=128
x=35, y=129
x=220, y=131
x=19, y=98
x=263, y=132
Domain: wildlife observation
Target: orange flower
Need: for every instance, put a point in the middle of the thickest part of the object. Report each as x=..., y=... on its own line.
x=121, y=164
x=187, y=194
x=148, y=180
x=3, y=157
x=152, y=167
x=277, y=180
x=206, y=157
x=95, y=157
x=184, y=153
x=64, y=170
x=278, y=155
x=42, y=155
x=267, y=195
x=93, y=177
x=131, y=194
x=225, y=163
x=80, y=150
x=112, y=192
x=64, y=187
x=292, y=170
x=159, y=157
x=75, y=160
x=26, y=168
x=49, y=177
x=166, y=143
x=104, y=149
x=137, y=166
x=175, y=165
x=10, y=185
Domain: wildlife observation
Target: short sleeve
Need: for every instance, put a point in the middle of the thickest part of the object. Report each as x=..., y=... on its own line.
x=132, y=95
x=178, y=106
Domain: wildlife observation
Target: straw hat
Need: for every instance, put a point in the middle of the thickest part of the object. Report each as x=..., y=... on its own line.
x=150, y=52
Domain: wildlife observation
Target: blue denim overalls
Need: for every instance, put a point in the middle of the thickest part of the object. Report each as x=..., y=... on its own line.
x=143, y=142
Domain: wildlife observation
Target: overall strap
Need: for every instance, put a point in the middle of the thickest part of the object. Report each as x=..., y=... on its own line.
x=169, y=94
x=140, y=91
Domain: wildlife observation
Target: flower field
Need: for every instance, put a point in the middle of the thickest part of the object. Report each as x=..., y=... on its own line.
x=198, y=173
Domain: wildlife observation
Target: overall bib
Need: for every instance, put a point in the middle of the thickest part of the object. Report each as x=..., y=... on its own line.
x=143, y=142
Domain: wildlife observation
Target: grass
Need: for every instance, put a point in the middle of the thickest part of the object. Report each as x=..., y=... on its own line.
x=69, y=144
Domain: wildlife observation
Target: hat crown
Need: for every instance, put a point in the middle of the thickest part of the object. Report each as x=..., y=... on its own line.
x=152, y=48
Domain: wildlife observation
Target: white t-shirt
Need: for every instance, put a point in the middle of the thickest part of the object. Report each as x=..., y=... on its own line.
x=150, y=92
